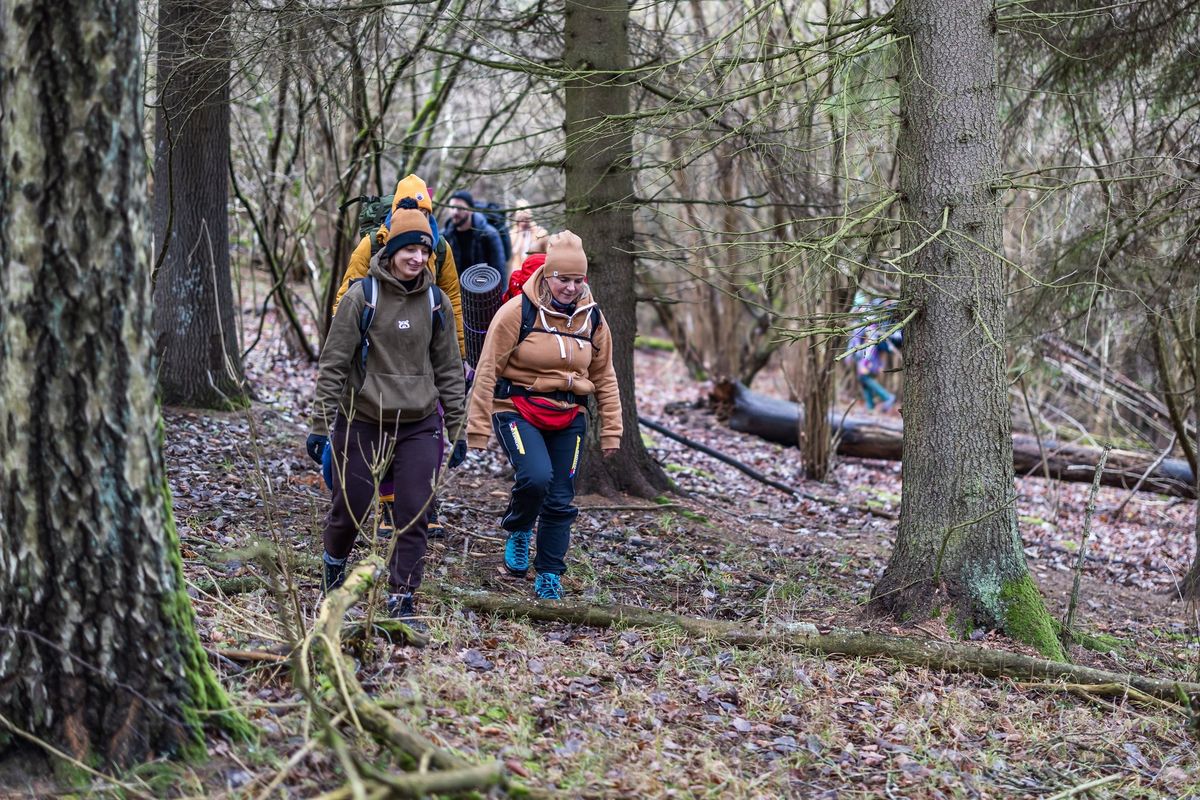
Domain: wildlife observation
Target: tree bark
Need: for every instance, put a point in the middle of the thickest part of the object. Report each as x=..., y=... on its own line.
x=194, y=318
x=599, y=197
x=864, y=437
x=98, y=653
x=957, y=547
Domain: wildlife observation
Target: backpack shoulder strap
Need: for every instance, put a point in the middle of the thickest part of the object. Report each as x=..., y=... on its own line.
x=597, y=321
x=370, y=286
x=528, y=317
x=437, y=308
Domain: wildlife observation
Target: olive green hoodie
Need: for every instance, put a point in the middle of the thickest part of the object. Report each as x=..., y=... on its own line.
x=409, y=367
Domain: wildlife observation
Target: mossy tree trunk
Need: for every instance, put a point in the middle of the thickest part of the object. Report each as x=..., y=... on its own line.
x=194, y=317
x=958, y=549
x=98, y=652
x=599, y=199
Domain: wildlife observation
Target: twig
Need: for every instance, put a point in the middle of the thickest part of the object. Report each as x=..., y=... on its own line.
x=756, y=475
x=1138, y=486
x=1086, y=787
x=1083, y=540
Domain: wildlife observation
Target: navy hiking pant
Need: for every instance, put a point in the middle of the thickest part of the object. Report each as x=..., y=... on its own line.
x=544, y=489
x=360, y=462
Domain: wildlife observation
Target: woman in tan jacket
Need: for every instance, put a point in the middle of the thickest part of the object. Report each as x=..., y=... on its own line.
x=546, y=351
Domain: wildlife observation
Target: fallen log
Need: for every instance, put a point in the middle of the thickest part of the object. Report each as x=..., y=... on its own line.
x=778, y=421
x=945, y=656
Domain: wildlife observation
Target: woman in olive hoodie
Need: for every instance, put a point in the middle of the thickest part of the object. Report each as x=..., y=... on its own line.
x=532, y=393
x=385, y=395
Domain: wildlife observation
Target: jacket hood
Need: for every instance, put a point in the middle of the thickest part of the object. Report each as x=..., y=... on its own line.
x=385, y=276
x=538, y=291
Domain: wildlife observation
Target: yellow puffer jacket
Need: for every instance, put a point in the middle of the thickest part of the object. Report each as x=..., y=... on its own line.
x=441, y=263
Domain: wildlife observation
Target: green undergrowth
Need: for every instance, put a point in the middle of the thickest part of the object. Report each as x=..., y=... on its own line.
x=653, y=343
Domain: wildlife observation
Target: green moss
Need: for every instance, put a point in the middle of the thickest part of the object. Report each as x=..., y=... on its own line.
x=653, y=343
x=1026, y=618
x=206, y=696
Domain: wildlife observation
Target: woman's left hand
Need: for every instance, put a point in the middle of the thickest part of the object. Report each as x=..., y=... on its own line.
x=609, y=452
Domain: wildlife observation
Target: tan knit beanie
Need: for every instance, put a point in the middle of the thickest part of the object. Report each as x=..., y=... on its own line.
x=409, y=226
x=565, y=256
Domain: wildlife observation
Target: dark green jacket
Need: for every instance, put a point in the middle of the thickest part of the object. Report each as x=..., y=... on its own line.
x=409, y=367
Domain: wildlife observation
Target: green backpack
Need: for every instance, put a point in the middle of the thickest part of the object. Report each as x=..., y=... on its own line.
x=372, y=212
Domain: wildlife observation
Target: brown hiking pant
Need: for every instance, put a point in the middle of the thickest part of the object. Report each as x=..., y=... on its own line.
x=360, y=457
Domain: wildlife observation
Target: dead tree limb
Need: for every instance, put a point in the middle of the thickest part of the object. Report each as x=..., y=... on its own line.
x=346, y=691
x=755, y=474
x=946, y=656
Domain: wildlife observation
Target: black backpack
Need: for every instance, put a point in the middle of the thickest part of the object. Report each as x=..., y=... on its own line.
x=529, y=320
x=496, y=216
x=370, y=284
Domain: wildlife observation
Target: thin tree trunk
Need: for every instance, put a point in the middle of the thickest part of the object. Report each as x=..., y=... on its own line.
x=958, y=549
x=98, y=653
x=194, y=317
x=599, y=196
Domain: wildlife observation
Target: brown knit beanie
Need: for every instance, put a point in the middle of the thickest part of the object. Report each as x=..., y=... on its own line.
x=409, y=226
x=565, y=256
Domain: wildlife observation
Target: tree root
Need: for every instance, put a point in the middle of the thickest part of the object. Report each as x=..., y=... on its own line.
x=946, y=656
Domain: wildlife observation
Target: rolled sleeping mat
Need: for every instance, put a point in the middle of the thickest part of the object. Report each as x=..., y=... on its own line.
x=482, y=290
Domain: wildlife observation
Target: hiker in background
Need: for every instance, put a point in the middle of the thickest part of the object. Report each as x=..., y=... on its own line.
x=471, y=237
x=868, y=348
x=378, y=391
x=553, y=337
x=522, y=235
x=535, y=257
x=441, y=263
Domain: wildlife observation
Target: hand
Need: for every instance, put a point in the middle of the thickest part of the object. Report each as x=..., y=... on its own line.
x=609, y=452
x=316, y=445
x=459, y=454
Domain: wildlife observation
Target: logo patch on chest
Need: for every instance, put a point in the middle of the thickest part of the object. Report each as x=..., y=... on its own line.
x=403, y=325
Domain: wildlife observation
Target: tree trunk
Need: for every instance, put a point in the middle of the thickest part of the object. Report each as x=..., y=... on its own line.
x=98, y=654
x=958, y=549
x=194, y=319
x=599, y=196
x=865, y=437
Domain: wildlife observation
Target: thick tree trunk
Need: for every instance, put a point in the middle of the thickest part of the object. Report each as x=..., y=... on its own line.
x=98, y=654
x=957, y=547
x=599, y=195
x=194, y=318
x=863, y=437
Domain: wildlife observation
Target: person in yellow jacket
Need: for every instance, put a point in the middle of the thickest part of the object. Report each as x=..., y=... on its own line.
x=441, y=263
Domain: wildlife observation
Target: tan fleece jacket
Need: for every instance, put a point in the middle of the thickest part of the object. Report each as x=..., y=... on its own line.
x=409, y=367
x=545, y=362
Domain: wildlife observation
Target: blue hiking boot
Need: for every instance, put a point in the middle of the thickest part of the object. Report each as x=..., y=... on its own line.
x=548, y=586
x=516, y=553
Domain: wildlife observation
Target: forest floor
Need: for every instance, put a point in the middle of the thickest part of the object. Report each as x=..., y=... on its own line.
x=583, y=712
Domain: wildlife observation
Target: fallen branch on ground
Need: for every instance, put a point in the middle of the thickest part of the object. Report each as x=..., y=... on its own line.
x=947, y=656
x=863, y=437
x=759, y=476
x=454, y=774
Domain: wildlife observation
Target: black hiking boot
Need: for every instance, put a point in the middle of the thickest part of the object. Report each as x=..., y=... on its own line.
x=335, y=575
x=400, y=606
